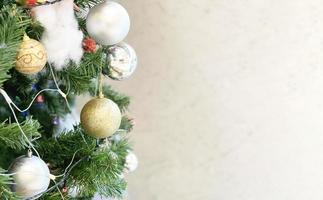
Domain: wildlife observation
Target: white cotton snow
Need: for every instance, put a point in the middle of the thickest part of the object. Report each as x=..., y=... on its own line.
x=62, y=37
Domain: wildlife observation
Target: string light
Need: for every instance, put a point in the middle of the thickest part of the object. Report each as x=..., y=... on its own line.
x=12, y=105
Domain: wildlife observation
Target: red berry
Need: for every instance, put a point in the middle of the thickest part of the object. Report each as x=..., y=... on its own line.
x=89, y=45
x=40, y=99
x=65, y=190
x=31, y=2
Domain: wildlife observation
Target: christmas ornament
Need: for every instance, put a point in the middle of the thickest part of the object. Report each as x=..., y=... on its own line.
x=131, y=163
x=31, y=57
x=62, y=37
x=27, y=2
x=89, y=45
x=65, y=189
x=122, y=61
x=34, y=87
x=30, y=3
x=67, y=122
x=74, y=191
x=25, y=114
x=108, y=23
x=30, y=175
x=40, y=99
x=100, y=117
x=49, y=84
x=55, y=121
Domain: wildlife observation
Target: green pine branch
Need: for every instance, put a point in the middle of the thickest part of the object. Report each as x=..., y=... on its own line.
x=60, y=150
x=102, y=171
x=79, y=78
x=5, y=192
x=98, y=168
x=11, y=136
x=6, y=2
x=127, y=123
x=121, y=100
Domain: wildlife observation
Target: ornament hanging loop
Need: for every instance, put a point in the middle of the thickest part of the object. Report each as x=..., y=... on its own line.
x=100, y=80
x=29, y=153
x=101, y=95
x=26, y=37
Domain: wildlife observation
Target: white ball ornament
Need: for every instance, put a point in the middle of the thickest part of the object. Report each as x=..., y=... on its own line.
x=131, y=162
x=108, y=23
x=31, y=176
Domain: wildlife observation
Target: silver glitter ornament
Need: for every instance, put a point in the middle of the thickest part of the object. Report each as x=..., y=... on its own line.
x=30, y=175
x=121, y=61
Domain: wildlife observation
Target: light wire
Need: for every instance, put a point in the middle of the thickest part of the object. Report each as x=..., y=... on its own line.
x=9, y=102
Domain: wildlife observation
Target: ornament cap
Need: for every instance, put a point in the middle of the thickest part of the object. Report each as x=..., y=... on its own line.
x=52, y=177
x=101, y=96
x=26, y=37
x=29, y=153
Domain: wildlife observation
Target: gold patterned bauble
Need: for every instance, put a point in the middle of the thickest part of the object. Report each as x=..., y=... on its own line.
x=31, y=57
x=100, y=117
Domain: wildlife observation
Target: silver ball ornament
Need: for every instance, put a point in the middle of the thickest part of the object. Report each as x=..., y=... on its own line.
x=30, y=175
x=121, y=61
x=108, y=23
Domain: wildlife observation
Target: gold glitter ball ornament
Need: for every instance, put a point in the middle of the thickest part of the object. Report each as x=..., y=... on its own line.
x=100, y=117
x=31, y=57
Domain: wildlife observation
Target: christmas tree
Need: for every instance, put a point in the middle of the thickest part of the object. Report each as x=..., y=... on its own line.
x=52, y=51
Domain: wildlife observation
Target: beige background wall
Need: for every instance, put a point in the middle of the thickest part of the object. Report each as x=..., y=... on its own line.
x=228, y=99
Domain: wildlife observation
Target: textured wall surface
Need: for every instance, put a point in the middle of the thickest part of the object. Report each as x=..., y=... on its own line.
x=228, y=99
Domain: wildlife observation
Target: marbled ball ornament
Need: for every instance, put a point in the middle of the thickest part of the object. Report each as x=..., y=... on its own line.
x=100, y=117
x=31, y=57
x=121, y=61
x=108, y=23
x=31, y=176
